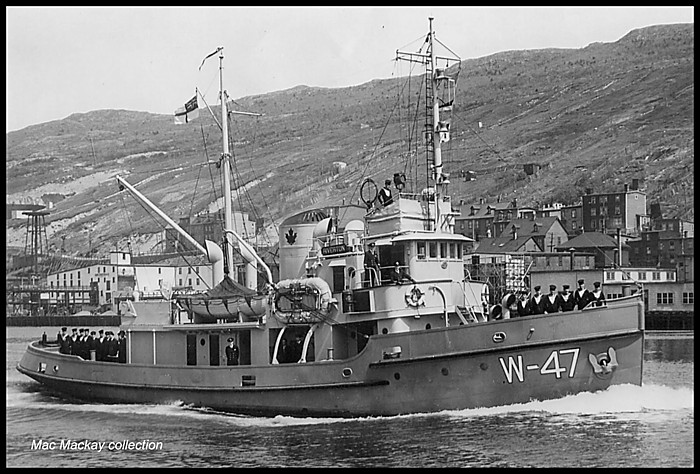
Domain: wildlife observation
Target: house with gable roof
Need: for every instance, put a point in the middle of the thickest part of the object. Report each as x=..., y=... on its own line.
x=604, y=247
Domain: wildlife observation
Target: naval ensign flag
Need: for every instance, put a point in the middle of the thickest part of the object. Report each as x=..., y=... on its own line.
x=187, y=113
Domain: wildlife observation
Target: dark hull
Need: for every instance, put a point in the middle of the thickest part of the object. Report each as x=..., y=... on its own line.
x=480, y=365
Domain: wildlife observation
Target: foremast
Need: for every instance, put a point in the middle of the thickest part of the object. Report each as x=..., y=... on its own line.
x=438, y=130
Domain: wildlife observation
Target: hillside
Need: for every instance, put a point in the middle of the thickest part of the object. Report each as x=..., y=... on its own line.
x=594, y=117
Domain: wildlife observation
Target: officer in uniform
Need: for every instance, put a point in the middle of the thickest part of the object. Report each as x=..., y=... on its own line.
x=232, y=352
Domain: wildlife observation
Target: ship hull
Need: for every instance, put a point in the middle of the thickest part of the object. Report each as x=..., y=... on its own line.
x=480, y=365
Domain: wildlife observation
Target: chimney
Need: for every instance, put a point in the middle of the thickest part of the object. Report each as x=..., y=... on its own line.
x=514, y=203
x=481, y=200
x=635, y=184
x=514, y=231
x=627, y=187
x=589, y=190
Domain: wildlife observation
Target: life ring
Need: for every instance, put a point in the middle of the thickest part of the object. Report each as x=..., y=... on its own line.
x=373, y=192
x=415, y=297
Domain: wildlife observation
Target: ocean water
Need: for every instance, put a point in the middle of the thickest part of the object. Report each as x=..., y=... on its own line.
x=624, y=426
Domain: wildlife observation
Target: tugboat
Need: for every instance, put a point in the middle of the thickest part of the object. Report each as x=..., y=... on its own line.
x=338, y=335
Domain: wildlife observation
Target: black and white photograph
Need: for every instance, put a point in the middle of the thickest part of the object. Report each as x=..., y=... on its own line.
x=350, y=237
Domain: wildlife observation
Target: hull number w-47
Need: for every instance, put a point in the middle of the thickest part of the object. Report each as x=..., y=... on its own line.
x=560, y=363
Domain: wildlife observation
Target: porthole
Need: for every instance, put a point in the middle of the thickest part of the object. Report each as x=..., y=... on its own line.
x=397, y=376
x=202, y=342
x=55, y=369
x=444, y=371
x=428, y=326
x=347, y=372
x=385, y=331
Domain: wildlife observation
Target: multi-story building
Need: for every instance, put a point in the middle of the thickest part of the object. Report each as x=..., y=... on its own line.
x=99, y=284
x=608, y=212
x=571, y=216
x=670, y=243
x=485, y=220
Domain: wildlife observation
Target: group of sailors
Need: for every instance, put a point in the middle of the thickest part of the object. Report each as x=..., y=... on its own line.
x=554, y=302
x=105, y=345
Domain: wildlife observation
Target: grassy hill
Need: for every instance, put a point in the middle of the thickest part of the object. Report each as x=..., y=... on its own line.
x=594, y=117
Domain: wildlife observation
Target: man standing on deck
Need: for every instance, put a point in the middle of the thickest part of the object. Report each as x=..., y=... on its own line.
x=552, y=302
x=582, y=296
x=567, y=299
x=537, y=302
x=523, y=303
x=372, y=265
x=385, y=197
x=597, y=297
x=232, y=352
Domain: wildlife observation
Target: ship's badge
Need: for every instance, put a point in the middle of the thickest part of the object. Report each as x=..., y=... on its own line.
x=291, y=236
x=603, y=364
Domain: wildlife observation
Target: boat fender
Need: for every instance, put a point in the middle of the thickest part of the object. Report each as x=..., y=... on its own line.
x=415, y=297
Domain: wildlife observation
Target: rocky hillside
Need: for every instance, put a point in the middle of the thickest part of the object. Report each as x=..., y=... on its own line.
x=595, y=117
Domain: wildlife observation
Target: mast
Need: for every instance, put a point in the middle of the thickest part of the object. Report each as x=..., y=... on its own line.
x=226, y=163
x=440, y=130
x=438, y=176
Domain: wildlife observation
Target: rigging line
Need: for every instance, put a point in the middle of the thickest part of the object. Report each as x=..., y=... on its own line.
x=376, y=146
x=448, y=49
x=260, y=180
x=206, y=161
x=216, y=120
x=126, y=216
x=194, y=194
x=150, y=213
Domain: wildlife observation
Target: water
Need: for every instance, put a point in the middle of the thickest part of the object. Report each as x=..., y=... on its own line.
x=625, y=426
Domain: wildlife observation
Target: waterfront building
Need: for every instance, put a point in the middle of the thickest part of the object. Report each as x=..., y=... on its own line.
x=605, y=249
x=608, y=212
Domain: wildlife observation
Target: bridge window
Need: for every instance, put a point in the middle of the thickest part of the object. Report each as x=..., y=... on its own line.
x=432, y=246
x=421, y=250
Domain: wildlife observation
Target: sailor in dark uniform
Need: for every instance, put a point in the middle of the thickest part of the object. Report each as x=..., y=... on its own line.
x=537, y=302
x=232, y=352
x=552, y=302
x=112, y=347
x=65, y=342
x=121, y=355
x=523, y=304
x=582, y=296
x=567, y=299
x=100, y=345
x=385, y=197
x=78, y=344
x=597, y=297
x=61, y=334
